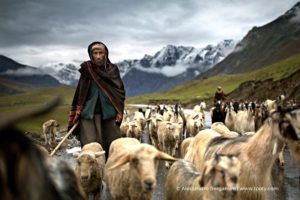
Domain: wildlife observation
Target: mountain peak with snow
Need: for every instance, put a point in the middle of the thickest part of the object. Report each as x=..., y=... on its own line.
x=175, y=64
x=173, y=60
x=65, y=73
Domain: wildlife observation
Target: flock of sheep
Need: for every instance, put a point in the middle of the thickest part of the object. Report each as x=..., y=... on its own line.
x=230, y=160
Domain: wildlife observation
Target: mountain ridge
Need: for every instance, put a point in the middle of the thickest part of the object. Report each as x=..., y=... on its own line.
x=276, y=40
x=171, y=66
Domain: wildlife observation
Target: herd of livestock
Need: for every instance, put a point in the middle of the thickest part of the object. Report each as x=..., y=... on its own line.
x=231, y=159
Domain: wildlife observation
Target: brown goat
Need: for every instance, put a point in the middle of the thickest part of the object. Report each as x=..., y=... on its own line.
x=257, y=153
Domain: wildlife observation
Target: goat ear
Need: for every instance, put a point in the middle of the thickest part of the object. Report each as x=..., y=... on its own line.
x=164, y=156
x=100, y=153
x=202, y=179
x=121, y=161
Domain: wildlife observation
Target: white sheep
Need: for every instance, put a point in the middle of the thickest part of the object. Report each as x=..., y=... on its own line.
x=168, y=136
x=90, y=168
x=219, y=180
x=155, y=120
x=130, y=171
x=180, y=120
x=134, y=130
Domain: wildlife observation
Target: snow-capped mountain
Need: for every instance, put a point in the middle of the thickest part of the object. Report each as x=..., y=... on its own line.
x=67, y=74
x=171, y=66
x=172, y=61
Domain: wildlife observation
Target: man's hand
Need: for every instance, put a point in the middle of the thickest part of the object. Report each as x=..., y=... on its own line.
x=76, y=117
x=118, y=119
x=73, y=117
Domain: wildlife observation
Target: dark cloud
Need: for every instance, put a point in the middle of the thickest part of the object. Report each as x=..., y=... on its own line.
x=56, y=30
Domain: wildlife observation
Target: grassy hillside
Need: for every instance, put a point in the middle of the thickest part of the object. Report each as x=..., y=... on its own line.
x=11, y=87
x=197, y=89
x=13, y=104
x=205, y=88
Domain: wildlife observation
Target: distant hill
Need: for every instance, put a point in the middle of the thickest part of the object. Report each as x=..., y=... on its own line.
x=9, y=64
x=263, y=46
x=257, y=85
x=14, y=74
x=8, y=87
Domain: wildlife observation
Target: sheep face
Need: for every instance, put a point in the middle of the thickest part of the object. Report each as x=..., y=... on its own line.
x=87, y=165
x=222, y=171
x=174, y=129
x=143, y=163
x=133, y=129
x=145, y=167
x=124, y=128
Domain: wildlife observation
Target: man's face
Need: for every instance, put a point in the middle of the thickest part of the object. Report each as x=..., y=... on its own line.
x=99, y=55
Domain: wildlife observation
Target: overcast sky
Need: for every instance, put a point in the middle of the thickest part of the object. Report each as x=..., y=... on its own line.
x=36, y=32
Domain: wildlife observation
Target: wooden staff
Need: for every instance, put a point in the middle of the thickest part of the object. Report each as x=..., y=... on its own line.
x=63, y=140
